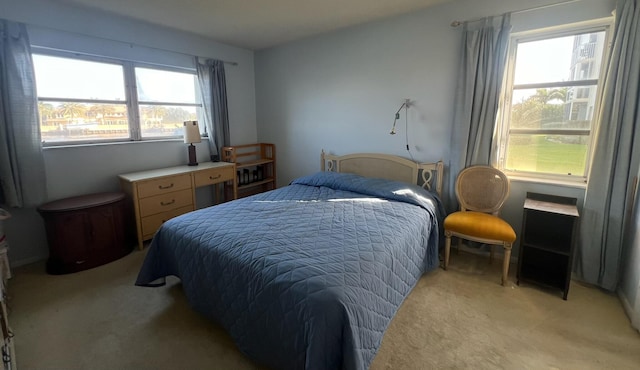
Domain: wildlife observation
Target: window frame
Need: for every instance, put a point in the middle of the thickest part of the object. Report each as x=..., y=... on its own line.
x=503, y=129
x=131, y=95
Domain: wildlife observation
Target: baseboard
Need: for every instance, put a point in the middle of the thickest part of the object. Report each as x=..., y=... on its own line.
x=628, y=309
x=27, y=261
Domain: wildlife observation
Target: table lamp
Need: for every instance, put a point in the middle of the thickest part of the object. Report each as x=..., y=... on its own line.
x=192, y=135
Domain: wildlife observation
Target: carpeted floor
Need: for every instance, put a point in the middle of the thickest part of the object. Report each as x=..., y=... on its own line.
x=456, y=319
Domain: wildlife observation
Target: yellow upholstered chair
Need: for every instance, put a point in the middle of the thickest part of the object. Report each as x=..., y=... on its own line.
x=481, y=192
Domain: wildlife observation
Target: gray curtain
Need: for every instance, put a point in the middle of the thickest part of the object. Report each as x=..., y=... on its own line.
x=483, y=60
x=22, y=174
x=213, y=90
x=617, y=147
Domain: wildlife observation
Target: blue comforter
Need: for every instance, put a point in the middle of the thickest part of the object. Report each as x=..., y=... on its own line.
x=307, y=276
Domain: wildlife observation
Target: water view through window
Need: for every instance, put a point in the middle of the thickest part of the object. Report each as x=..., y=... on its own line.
x=83, y=100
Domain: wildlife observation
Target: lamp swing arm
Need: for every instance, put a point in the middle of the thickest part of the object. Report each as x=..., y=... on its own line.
x=405, y=105
x=399, y=109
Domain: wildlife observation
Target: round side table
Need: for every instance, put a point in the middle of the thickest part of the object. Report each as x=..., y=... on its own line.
x=85, y=231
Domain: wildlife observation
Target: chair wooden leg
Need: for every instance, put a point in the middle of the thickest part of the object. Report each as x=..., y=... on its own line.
x=505, y=263
x=459, y=245
x=447, y=248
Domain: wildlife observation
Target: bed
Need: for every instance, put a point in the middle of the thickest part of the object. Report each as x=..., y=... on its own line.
x=309, y=276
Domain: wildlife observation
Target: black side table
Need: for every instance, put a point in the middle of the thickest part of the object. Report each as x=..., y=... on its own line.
x=549, y=228
x=85, y=231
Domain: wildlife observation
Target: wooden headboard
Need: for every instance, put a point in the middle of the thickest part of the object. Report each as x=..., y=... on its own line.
x=386, y=166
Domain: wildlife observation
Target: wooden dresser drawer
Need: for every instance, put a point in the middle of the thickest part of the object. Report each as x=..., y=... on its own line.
x=164, y=185
x=214, y=176
x=166, y=202
x=151, y=224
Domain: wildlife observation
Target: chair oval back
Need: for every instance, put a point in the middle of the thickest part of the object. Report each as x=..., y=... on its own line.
x=482, y=189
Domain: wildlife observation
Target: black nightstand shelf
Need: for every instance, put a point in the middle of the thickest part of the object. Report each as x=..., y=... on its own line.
x=548, y=240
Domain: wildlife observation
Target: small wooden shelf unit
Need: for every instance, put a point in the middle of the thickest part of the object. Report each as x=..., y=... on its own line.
x=548, y=240
x=255, y=167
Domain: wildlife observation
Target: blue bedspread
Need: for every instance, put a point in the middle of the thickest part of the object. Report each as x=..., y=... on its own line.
x=307, y=276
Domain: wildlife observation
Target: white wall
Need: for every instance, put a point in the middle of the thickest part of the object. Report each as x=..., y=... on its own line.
x=87, y=169
x=339, y=91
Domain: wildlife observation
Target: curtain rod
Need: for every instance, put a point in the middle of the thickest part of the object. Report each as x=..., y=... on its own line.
x=458, y=23
x=132, y=44
x=63, y=52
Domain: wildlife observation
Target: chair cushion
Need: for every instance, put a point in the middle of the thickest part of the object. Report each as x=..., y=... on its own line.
x=480, y=225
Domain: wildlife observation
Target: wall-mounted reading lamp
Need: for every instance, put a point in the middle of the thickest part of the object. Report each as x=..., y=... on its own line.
x=404, y=105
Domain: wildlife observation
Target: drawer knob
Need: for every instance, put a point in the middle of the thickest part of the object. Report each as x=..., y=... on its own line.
x=167, y=203
x=215, y=177
x=80, y=262
x=165, y=187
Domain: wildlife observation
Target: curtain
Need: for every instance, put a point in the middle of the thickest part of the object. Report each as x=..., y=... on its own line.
x=617, y=147
x=213, y=90
x=22, y=174
x=484, y=56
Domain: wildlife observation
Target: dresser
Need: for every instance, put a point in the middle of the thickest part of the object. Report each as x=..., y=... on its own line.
x=160, y=194
x=8, y=347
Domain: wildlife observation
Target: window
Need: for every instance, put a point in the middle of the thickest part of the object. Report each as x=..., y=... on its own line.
x=165, y=100
x=549, y=102
x=86, y=100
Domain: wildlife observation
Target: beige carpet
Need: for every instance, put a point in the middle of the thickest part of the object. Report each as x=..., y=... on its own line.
x=456, y=319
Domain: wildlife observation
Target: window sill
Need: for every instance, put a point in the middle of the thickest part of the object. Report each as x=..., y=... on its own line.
x=539, y=180
x=107, y=143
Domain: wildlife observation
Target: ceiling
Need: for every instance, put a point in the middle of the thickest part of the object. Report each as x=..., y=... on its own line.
x=256, y=24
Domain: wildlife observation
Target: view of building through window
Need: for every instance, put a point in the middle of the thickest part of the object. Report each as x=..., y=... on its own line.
x=83, y=100
x=553, y=85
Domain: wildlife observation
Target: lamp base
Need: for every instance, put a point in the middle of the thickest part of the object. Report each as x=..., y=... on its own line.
x=192, y=155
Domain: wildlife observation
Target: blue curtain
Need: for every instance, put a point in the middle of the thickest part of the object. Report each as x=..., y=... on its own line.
x=213, y=90
x=22, y=174
x=484, y=56
x=610, y=186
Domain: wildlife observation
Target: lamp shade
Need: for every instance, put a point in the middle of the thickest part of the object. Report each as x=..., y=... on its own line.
x=191, y=132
